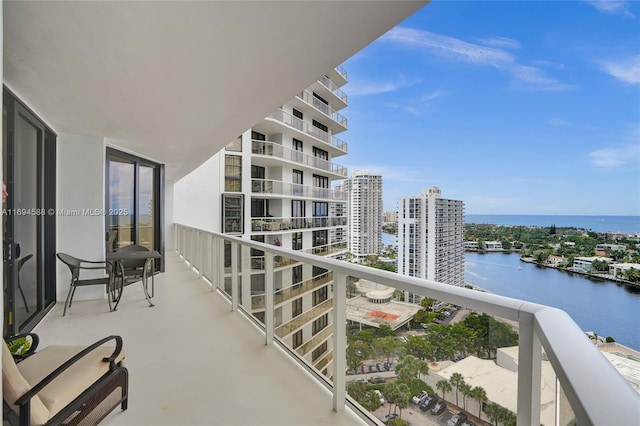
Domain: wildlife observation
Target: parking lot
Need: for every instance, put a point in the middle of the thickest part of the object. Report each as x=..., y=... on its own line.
x=417, y=417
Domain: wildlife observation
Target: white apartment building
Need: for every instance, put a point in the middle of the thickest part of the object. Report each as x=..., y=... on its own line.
x=430, y=239
x=274, y=184
x=390, y=217
x=364, y=209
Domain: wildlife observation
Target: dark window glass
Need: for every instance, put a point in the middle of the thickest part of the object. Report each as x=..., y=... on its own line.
x=297, y=113
x=296, y=307
x=232, y=218
x=233, y=173
x=320, y=126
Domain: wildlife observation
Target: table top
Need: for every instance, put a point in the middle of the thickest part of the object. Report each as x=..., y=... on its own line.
x=132, y=255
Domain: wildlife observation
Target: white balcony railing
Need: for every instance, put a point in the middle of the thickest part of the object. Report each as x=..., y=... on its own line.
x=268, y=186
x=272, y=149
x=326, y=82
x=323, y=108
x=596, y=392
x=308, y=129
x=271, y=224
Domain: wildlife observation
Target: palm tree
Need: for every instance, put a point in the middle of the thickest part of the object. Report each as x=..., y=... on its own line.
x=370, y=401
x=494, y=412
x=443, y=386
x=456, y=380
x=480, y=395
x=465, y=389
x=423, y=368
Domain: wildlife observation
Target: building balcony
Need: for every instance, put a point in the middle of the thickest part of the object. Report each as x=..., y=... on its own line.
x=550, y=377
x=192, y=361
x=307, y=129
x=279, y=188
x=277, y=151
x=339, y=75
x=286, y=294
x=339, y=121
x=278, y=224
x=327, y=88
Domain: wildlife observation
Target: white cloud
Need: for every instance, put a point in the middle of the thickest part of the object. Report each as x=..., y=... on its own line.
x=626, y=70
x=525, y=77
x=500, y=42
x=615, y=157
x=375, y=88
x=612, y=7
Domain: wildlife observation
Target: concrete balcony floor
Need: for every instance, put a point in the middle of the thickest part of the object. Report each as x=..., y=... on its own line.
x=192, y=361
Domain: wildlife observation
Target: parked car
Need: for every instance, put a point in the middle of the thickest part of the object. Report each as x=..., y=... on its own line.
x=376, y=380
x=377, y=392
x=388, y=417
x=428, y=402
x=457, y=419
x=416, y=399
x=468, y=423
x=439, y=408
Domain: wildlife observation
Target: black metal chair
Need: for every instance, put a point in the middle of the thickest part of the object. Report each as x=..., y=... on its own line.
x=76, y=265
x=64, y=384
x=134, y=270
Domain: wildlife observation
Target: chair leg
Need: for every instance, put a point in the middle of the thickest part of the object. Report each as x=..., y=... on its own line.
x=67, y=302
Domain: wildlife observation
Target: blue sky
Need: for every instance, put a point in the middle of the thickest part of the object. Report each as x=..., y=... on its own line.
x=513, y=107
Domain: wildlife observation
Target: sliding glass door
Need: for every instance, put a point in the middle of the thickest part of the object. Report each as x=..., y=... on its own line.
x=133, y=204
x=28, y=227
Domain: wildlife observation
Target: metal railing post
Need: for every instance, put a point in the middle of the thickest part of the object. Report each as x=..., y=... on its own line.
x=529, y=372
x=245, y=277
x=199, y=254
x=339, y=339
x=234, y=276
x=268, y=297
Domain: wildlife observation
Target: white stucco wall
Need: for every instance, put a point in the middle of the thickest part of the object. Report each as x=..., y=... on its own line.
x=80, y=185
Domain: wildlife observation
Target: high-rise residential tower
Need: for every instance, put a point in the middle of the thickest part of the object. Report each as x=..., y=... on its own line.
x=275, y=184
x=364, y=209
x=431, y=238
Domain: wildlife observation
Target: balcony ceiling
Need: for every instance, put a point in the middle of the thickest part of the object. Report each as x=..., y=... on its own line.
x=176, y=81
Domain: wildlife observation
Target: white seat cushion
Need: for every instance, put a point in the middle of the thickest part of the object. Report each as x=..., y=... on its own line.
x=72, y=382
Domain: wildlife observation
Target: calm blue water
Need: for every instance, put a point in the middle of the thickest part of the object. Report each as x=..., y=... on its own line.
x=624, y=224
x=603, y=307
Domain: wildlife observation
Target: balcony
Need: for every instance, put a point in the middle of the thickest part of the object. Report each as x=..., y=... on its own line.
x=333, y=89
x=555, y=363
x=192, y=361
x=276, y=224
x=276, y=187
x=275, y=150
x=308, y=129
x=325, y=109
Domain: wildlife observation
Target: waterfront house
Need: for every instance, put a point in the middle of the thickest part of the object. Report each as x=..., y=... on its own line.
x=584, y=264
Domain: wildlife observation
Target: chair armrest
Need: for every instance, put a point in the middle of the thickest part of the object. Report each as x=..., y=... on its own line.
x=55, y=373
x=35, y=340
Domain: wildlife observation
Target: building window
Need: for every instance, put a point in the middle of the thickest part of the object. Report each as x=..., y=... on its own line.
x=298, y=177
x=232, y=217
x=320, y=295
x=297, y=144
x=235, y=145
x=259, y=207
x=319, y=351
x=297, y=339
x=233, y=173
x=297, y=114
x=320, y=153
x=318, y=272
x=320, y=209
x=296, y=241
x=296, y=275
x=320, y=126
x=320, y=181
x=319, y=238
x=320, y=98
x=258, y=136
x=296, y=307
x=320, y=324
x=257, y=172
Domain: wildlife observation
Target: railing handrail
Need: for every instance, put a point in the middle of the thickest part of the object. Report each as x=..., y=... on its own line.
x=296, y=156
x=597, y=393
x=325, y=109
x=308, y=129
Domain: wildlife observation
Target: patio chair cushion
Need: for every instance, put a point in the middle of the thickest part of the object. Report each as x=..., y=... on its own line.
x=72, y=382
x=14, y=385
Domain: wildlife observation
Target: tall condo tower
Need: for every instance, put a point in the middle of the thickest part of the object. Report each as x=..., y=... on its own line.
x=431, y=239
x=364, y=209
x=275, y=183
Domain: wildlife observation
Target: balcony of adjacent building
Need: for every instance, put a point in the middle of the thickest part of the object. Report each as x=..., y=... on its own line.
x=279, y=189
x=329, y=90
x=262, y=225
x=338, y=75
x=310, y=102
x=273, y=154
x=303, y=130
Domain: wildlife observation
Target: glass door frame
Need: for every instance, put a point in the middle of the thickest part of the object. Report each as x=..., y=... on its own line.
x=45, y=223
x=158, y=203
